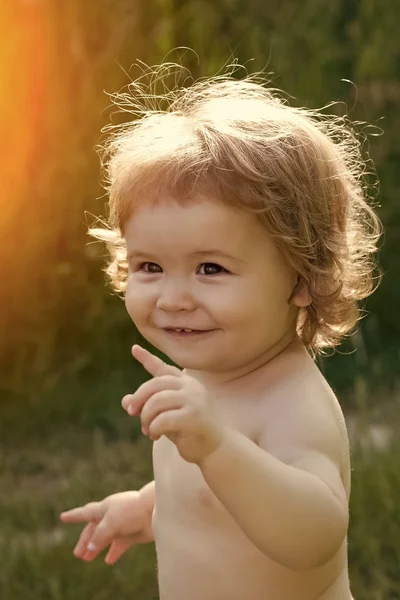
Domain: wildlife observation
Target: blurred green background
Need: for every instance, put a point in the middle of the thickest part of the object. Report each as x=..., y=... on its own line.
x=65, y=339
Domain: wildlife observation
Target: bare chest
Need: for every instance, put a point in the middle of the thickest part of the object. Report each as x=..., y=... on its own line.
x=181, y=491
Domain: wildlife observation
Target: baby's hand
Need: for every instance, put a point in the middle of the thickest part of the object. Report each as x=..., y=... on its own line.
x=176, y=405
x=120, y=520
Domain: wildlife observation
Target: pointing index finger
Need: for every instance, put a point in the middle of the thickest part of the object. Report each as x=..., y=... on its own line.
x=153, y=365
x=89, y=512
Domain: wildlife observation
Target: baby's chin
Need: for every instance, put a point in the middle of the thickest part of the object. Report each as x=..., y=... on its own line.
x=191, y=363
x=192, y=360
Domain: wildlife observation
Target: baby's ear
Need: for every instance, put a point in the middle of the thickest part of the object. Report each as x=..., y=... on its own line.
x=300, y=296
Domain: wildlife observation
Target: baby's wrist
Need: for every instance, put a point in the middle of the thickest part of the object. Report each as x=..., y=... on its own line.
x=216, y=441
x=146, y=496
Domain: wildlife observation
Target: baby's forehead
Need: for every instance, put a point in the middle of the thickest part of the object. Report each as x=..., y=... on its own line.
x=166, y=212
x=203, y=217
x=192, y=230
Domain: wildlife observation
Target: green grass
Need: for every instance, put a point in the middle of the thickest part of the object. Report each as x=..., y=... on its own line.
x=39, y=481
x=374, y=533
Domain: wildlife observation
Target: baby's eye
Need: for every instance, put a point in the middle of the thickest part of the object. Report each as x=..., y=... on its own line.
x=149, y=267
x=211, y=269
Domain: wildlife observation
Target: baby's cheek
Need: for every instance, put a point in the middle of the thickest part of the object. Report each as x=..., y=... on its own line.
x=231, y=304
x=264, y=321
x=137, y=303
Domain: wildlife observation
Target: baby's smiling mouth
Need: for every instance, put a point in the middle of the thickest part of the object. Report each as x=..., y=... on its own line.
x=181, y=331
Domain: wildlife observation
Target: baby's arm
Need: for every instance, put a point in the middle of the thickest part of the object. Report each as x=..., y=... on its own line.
x=292, y=507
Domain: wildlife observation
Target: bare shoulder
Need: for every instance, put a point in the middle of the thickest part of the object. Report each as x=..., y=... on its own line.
x=302, y=424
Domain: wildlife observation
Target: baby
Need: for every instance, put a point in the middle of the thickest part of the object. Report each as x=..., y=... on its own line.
x=242, y=240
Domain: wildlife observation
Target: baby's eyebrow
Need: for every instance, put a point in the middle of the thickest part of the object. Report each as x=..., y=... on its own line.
x=207, y=252
x=139, y=254
x=216, y=252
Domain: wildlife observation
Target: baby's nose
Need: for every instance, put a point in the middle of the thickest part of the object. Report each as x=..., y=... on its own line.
x=173, y=298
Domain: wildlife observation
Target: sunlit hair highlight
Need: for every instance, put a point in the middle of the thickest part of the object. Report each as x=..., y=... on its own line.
x=239, y=142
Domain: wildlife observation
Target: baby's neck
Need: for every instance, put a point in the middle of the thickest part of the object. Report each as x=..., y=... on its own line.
x=268, y=360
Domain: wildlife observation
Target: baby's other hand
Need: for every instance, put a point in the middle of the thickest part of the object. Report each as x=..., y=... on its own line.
x=120, y=520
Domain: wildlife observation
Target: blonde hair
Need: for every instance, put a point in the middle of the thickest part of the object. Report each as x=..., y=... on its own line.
x=238, y=141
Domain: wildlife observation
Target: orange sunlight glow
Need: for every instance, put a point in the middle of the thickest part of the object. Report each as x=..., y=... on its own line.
x=25, y=60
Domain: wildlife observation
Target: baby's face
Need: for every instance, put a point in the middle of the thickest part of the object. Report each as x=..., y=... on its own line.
x=213, y=270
